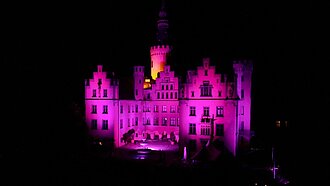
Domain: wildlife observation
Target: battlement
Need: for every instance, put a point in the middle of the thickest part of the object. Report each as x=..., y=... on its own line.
x=160, y=48
x=243, y=64
x=138, y=69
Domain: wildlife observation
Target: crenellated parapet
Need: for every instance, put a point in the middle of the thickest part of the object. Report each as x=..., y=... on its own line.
x=160, y=49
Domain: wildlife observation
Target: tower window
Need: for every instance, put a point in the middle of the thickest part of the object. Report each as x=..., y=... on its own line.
x=192, y=128
x=94, y=93
x=105, y=109
x=105, y=93
x=219, y=111
x=94, y=109
x=94, y=124
x=192, y=111
x=104, y=124
x=219, y=130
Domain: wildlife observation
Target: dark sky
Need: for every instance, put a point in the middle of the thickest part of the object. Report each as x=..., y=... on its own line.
x=49, y=49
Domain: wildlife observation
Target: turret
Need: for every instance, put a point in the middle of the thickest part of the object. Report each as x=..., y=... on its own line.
x=138, y=82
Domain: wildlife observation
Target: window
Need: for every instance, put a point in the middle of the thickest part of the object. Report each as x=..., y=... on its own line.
x=94, y=124
x=192, y=128
x=94, y=92
x=177, y=123
x=192, y=111
x=242, y=110
x=105, y=109
x=148, y=96
x=121, y=109
x=166, y=95
x=99, y=83
x=192, y=94
x=158, y=95
x=219, y=129
x=171, y=95
x=206, y=111
x=136, y=121
x=105, y=92
x=205, y=130
x=219, y=111
x=128, y=122
x=156, y=121
x=94, y=109
x=171, y=87
x=205, y=72
x=172, y=121
x=219, y=93
x=164, y=121
x=104, y=124
x=172, y=109
x=166, y=87
x=162, y=87
x=162, y=95
x=155, y=108
x=176, y=95
x=206, y=89
x=192, y=145
x=242, y=93
x=148, y=121
x=164, y=108
x=136, y=108
x=121, y=123
x=241, y=126
x=129, y=109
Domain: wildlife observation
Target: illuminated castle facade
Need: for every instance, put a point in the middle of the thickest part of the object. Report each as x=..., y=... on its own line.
x=207, y=106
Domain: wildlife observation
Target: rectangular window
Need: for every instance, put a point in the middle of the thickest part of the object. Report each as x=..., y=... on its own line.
x=206, y=89
x=172, y=121
x=121, y=123
x=171, y=95
x=192, y=128
x=192, y=94
x=242, y=93
x=162, y=95
x=105, y=109
x=166, y=95
x=136, y=121
x=132, y=108
x=162, y=87
x=148, y=121
x=164, y=108
x=136, y=108
x=205, y=72
x=176, y=95
x=219, y=111
x=128, y=122
x=94, y=92
x=241, y=126
x=171, y=87
x=129, y=109
x=242, y=110
x=219, y=93
x=105, y=92
x=94, y=109
x=104, y=124
x=219, y=129
x=156, y=121
x=205, y=130
x=206, y=111
x=164, y=122
x=166, y=87
x=172, y=109
x=94, y=124
x=121, y=109
x=158, y=95
x=192, y=111
x=155, y=108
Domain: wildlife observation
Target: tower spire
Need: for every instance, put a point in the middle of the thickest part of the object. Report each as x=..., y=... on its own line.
x=162, y=25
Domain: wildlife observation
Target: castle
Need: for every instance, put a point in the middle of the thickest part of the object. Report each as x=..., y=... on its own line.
x=208, y=106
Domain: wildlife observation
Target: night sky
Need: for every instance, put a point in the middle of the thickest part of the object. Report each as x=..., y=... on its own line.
x=49, y=49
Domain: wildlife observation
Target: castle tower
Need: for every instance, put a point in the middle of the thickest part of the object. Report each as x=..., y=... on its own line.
x=243, y=73
x=160, y=51
x=138, y=82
